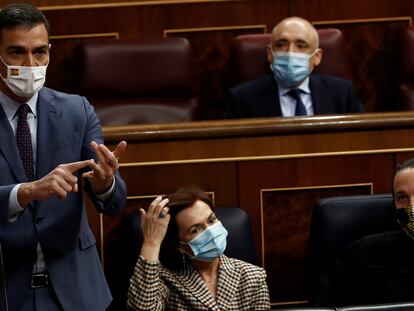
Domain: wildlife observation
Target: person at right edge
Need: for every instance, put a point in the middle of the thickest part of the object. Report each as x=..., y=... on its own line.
x=379, y=268
x=292, y=89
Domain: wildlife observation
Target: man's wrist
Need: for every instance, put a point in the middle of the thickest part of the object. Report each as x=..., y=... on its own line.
x=24, y=194
x=102, y=189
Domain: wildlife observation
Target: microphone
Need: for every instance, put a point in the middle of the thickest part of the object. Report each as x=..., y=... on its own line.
x=3, y=277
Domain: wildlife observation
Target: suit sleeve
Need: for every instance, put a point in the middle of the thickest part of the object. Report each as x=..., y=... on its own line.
x=117, y=200
x=4, y=202
x=146, y=289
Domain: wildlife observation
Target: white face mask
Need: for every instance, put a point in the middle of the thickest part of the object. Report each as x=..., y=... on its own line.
x=24, y=81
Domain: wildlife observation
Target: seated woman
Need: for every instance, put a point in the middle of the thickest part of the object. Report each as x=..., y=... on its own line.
x=182, y=266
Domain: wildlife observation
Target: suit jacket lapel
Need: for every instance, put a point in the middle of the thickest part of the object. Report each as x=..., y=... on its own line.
x=47, y=127
x=273, y=107
x=194, y=284
x=9, y=149
x=229, y=278
x=320, y=96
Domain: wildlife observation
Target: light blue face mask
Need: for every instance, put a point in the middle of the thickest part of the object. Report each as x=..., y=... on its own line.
x=210, y=243
x=290, y=68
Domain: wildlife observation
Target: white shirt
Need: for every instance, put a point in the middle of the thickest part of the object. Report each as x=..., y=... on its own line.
x=288, y=103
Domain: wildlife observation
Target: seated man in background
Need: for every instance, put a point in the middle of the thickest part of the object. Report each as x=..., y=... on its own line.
x=379, y=268
x=292, y=90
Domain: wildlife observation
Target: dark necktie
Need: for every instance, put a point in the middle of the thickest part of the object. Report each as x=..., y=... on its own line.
x=300, y=107
x=24, y=141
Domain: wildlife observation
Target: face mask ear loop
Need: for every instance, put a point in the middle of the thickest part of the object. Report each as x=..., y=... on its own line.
x=314, y=52
x=7, y=68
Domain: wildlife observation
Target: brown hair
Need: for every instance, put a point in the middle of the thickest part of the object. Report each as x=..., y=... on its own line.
x=183, y=198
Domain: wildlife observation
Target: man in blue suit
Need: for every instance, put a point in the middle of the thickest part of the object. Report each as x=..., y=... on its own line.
x=51, y=145
x=292, y=90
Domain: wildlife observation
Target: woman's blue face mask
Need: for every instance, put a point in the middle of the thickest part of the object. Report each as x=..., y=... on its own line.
x=210, y=243
x=290, y=68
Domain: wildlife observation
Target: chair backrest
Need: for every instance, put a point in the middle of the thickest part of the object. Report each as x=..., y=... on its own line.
x=406, y=83
x=139, y=80
x=249, y=56
x=335, y=223
x=240, y=245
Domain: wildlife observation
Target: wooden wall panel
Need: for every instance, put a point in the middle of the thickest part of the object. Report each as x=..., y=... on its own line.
x=373, y=46
x=280, y=195
x=367, y=43
x=274, y=169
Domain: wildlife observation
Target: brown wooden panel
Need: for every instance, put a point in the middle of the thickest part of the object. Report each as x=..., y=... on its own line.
x=291, y=179
x=211, y=47
x=373, y=46
x=375, y=79
x=237, y=160
x=286, y=223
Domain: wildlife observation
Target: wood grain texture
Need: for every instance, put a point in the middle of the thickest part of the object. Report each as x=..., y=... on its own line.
x=373, y=46
x=275, y=169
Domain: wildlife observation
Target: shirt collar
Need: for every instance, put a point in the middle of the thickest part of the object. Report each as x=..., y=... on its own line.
x=10, y=106
x=304, y=87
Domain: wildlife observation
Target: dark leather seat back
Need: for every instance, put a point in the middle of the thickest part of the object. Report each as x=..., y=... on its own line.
x=240, y=242
x=139, y=81
x=240, y=245
x=335, y=223
x=249, y=56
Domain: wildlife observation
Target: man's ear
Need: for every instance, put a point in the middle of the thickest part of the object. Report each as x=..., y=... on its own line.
x=317, y=58
x=269, y=54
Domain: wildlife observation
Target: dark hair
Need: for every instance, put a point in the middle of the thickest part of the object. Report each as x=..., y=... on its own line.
x=170, y=256
x=402, y=166
x=21, y=14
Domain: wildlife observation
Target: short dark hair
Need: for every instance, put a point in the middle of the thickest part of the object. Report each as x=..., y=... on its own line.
x=21, y=15
x=183, y=198
x=402, y=166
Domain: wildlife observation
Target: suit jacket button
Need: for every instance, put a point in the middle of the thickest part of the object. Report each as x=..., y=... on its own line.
x=39, y=220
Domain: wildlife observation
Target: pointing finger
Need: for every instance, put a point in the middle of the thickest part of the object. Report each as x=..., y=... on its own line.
x=75, y=166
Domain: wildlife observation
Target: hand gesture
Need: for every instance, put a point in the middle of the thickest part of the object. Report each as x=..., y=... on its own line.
x=102, y=174
x=154, y=224
x=58, y=182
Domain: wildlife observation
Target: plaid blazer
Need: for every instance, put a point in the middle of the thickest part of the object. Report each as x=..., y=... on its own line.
x=240, y=286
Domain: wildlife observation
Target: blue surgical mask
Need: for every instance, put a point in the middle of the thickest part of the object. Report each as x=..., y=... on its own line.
x=290, y=68
x=210, y=243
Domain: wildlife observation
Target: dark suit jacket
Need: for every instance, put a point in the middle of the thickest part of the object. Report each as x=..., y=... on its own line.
x=376, y=269
x=66, y=126
x=259, y=98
